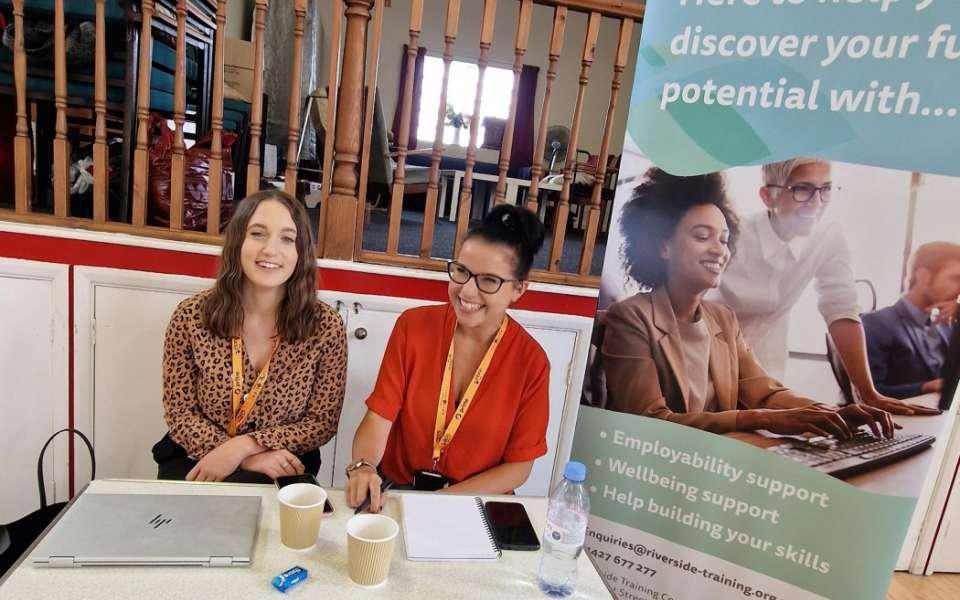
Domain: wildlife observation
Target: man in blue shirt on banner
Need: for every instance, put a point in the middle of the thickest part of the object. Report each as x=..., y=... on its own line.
x=907, y=342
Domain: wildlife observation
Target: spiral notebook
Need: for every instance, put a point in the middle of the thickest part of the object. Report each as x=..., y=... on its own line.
x=441, y=527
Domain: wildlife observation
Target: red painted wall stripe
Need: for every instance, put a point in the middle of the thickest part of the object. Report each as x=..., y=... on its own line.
x=99, y=254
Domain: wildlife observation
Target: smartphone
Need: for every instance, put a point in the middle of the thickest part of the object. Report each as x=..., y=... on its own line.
x=286, y=480
x=511, y=526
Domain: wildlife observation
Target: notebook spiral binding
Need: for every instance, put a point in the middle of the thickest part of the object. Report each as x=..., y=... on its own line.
x=486, y=525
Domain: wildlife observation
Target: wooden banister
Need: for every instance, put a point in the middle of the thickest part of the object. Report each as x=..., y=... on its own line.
x=140, y=164
x=256, y=106
x=373, y=67
x=556, y=47
x=333, y=77
x=399, y=173
x=342, y=213
x=61, y=146
x=436, y=154
x=618, y=9
x=179, y=116
x=466, y=192
x=293, y=111
x=22, y=159
x=215, y=183
x=594, y=215
x=520, y=48
x=101, y=163
x=563, y=206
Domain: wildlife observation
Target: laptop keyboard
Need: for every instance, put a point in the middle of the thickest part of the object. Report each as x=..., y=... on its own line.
x=842, y=458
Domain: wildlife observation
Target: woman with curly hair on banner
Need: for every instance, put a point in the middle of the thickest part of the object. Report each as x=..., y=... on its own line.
x=669, y=354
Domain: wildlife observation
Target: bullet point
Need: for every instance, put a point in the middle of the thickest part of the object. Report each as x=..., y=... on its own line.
x=593, y=489
x=598, y=462
x=603, y=434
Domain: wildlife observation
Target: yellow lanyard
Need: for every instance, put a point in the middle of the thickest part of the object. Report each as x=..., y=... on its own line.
x=240, y=413
x=441, y=438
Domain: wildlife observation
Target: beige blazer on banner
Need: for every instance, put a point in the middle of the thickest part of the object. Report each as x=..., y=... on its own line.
x=645, y=372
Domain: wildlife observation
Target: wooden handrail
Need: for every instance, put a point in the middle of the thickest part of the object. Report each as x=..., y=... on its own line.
x=140, y=164
x=373, y=68
x=215, y=183
x=556, y=47
x=520, y=48
x=179, y=116
x=101, y=163
x=61, y=146
x=354, y=61
x=399, y=173
x=466, y=191
x=436, y=154
x=608, y=8
x=293, y=110
x=333, y=78
x=342, y=213
x=256, y=106
x=23, y=162
x=563, y=206
x=594, y=212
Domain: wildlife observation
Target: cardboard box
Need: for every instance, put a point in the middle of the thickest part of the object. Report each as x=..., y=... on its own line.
x=238, y=58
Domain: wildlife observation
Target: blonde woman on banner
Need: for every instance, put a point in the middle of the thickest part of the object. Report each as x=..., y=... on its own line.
x=780, y=252
x=671, y=355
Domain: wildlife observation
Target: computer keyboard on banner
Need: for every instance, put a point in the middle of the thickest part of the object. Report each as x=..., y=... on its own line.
x=843, y=458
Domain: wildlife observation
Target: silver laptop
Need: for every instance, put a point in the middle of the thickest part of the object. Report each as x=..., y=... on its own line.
x=141, y=529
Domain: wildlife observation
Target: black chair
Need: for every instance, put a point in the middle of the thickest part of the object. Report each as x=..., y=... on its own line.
x=839, y=372
x=17, y=537
x=836, y=365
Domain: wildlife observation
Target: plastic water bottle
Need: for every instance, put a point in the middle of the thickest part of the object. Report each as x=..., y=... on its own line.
x=565, y=532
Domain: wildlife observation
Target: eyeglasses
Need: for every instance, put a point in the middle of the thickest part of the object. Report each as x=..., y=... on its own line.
x=486, y=283
x=804, y=192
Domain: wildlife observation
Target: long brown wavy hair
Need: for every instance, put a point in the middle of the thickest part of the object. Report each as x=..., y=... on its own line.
x=223, y=308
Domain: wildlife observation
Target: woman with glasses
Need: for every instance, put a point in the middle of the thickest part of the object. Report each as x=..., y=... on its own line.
x=670, y=355
x=461, y=401
x=781, y=251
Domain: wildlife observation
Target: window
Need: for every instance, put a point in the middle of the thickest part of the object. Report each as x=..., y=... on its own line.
x=461, y=89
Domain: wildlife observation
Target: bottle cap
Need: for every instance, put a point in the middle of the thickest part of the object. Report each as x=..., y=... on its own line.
x=575, y=471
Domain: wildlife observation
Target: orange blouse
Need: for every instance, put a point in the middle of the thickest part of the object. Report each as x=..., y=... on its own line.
x=507, y=421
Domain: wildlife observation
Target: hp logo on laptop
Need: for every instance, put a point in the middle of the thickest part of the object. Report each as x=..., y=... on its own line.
x=159, y=520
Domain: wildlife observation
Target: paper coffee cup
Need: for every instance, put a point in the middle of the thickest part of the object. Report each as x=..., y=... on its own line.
x=301, y=509
x=370, y=541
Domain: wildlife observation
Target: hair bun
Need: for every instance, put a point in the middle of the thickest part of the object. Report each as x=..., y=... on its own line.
x=520, y=225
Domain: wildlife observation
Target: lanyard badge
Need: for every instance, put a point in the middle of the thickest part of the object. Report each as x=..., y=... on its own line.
x=243, y=405
x=443, y=436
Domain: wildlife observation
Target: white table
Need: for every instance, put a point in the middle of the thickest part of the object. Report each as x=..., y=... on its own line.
x=511, y=195
x=511, y=577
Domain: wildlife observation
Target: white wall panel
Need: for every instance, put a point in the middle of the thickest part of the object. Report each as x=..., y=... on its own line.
x=34, y=335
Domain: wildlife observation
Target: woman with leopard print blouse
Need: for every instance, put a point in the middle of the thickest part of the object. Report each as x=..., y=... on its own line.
x=254, y=369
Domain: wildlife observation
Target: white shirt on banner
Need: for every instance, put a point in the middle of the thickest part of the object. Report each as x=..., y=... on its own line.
x=767, y=275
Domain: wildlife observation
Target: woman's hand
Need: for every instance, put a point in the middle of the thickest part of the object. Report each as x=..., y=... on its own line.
x=897, y=407
x=790, y=421
x=880, y=421
x=223, y=460
x=364, y=480
x=273, y=463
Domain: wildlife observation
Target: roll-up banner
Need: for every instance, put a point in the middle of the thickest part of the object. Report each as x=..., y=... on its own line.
x=768, y=405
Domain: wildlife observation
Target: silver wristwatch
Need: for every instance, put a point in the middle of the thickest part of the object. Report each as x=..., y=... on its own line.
x=356, y=465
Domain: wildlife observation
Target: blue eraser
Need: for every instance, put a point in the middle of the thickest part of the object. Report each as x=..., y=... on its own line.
x=289, y=578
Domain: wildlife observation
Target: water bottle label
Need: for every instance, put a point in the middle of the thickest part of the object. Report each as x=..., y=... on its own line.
x=572, y=536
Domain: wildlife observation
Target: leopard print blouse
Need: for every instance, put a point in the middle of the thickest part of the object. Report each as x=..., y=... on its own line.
x=299, y=407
